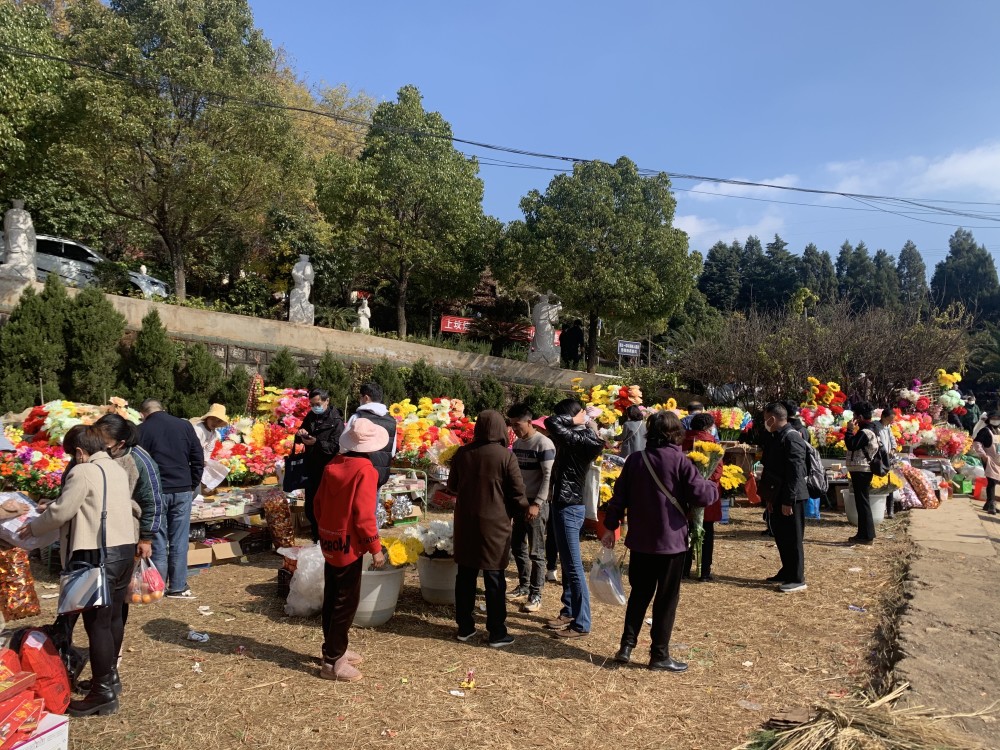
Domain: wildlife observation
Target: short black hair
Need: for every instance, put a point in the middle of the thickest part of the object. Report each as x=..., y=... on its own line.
x=633, y=414
x=568, y=407
x=118, y=429
x=664, y=428
x=702, y=421
x=578, y=322
x=791, y=407
x=863, y=410
x=520, y=413
x=323, y=394
x=776, y=409
x=373, y=391
x=695, y=406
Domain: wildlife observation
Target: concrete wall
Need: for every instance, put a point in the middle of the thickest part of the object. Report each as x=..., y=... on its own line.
x=240, y=340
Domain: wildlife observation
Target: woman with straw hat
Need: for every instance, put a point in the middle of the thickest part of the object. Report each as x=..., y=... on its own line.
x=205, y=427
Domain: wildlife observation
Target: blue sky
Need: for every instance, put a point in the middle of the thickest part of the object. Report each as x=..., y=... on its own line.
x=881, y=97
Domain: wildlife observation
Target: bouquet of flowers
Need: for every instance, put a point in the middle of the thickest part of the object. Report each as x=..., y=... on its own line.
x=611, y=469
x=430, y=422
x=400, y=552
x=892, y=480
x=436, y=540
x=606, y=400
x=947, y=379
x=286, y=406
x=705, y=456
x=730, y=421
x=827, y=394
x=732, y=480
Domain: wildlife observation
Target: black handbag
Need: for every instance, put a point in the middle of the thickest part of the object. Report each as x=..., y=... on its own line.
x=295, y=469
x=83, y=585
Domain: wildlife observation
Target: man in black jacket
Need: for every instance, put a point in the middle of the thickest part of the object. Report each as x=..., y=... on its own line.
x=320, y=434
x=571, y=343
x=783, y=488
x=174, y=445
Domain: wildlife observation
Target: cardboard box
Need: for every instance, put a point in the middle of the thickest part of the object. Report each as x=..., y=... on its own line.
x=52, y=734
x=229, y=549
x=199, y=554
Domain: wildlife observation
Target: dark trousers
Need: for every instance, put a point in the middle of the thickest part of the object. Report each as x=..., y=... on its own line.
x=311, y=488
x=991, y=492
x=341, y=594
x=551, y=546
x=788, y=533
x=105, y=626
x=655, y=578
x=528, y=545
x=861, y=483
x=707, y=552
x=496, y=604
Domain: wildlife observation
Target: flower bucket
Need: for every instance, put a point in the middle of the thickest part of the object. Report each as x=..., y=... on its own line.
x=725, y=509
x=601, y=530
x=437, y=579
x=875, y=500
x=379, y=594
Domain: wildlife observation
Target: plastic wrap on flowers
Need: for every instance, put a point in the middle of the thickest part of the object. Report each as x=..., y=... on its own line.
x=381, y=515
x=18, y=599
x=398, y=507
x=279, y=519
x=920, y=485
x=305, y=593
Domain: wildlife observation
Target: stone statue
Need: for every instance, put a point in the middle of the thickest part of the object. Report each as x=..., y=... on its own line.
x=364, y=315
x=299, y=308
x=545, y=317
x=19, y=244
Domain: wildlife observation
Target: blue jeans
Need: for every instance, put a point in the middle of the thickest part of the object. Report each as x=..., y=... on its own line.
x=576, y=596
x=170, y=545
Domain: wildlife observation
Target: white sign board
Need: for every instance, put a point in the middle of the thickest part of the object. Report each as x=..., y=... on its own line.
x=629, y=348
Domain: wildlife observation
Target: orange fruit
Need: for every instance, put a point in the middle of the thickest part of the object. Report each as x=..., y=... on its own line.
x=157, y=594
x=146, y=598
x=136, y=598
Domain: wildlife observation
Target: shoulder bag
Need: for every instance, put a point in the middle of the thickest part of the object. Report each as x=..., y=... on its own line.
x=295, y=469
x=84, y=585
x=879, y=463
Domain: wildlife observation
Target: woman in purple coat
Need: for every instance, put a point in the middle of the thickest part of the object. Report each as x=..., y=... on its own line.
x=654, y=492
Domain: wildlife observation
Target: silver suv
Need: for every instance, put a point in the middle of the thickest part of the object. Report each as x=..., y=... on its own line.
x=74, y=263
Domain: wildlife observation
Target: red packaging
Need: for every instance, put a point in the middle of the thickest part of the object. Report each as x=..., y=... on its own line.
x=12, y=684
x=13, y=715
x=39, y=654
x=10, y=659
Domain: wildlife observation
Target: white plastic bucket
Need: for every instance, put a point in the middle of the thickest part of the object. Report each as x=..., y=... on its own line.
x=379, y=594
x=437, y=579
x=875, y=501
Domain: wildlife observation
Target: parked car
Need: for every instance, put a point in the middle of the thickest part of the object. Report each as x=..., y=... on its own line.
x=74, y=263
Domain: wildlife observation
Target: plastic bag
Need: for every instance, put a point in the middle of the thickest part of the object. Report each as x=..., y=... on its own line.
x=147, y=584
x=812, y=508
x=606, y=579
x=305, y=593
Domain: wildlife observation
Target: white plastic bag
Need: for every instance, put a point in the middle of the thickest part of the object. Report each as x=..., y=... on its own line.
x=592, y=492
x=606, y=579
x=213, y=474
x=305, y=593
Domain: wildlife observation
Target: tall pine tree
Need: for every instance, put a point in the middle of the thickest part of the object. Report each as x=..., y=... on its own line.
x=912, y=275
x=886, y=290
x=151, y=362
x=816, y=273
x=968, y=275
x=753, y=274
x=94, y=331
x=781, y=275
x=720, y=275
x=33, y=348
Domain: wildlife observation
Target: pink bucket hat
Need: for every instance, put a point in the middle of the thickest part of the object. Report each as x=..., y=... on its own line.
x=364, y=436
x=539, y=423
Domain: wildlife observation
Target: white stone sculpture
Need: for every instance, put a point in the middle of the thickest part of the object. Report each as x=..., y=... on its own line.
x=545, y=317
x=19, y=244
x=300, y=310
x=364, y=315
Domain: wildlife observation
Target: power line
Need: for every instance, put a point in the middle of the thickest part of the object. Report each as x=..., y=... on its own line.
x=925, y=204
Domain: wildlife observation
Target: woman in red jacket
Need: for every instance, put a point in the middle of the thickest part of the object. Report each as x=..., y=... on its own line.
x=701, y=429
x=345, y=516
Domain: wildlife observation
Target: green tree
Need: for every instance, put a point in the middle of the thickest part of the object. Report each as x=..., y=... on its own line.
x=490, y=394
x=720, y=275
x=603, y=238
x=283, y=371
x=967, y=275
x=753, y=274
x=151, y=362
x=332, y=376
x=912, y=275
x=393, y=386
x=94, y=331
x=781, y=275
x=424, y=380
x=411, y=204
x=843, y=269
x=235, y=390
x=31, y=90
x=817, y=274
x=200, y=378
x=33, y=348
x=156, y=142
x=459, y=388
x=886, y=289
x=856, y=276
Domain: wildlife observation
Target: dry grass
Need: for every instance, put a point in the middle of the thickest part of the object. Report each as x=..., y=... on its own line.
x=752, y=652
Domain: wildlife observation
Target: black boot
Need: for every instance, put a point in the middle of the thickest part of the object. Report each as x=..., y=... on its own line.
x=667, y=665
x=624, y=655
x=101, y=699
x=83, y=686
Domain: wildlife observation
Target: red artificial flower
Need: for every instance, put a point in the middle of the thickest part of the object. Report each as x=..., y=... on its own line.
x=923, y=403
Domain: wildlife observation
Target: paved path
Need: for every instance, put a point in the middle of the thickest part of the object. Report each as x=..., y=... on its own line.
x=950, y=630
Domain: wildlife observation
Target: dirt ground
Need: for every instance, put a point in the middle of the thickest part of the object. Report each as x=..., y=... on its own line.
x=752, y=651
x=949, y=632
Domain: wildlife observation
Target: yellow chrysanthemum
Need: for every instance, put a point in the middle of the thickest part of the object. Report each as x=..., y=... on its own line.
x=812, y=381
x=397, y=553
x=606, y=493
x=704, y=446
x=413, y=548
x=698, y=457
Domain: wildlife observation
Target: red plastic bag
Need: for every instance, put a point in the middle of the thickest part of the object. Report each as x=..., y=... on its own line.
x=751, y=489
x=39, y=655
x=10, y=659
x=147, y=585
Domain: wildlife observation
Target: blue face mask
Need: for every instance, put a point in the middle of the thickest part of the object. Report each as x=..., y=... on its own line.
x=318, y=409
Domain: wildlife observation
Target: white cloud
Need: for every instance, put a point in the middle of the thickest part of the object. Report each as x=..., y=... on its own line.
x=704, y=232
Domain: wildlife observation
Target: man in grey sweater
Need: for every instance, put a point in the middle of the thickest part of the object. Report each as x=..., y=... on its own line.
x=535, y=456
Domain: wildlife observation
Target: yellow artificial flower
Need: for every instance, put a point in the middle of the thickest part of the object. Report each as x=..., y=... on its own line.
x=397, y=553
x=606, y=493
x=414, y=547
x=671, y=404
x=698, y=457
x=705, y=446
x=396, y=411
x=812, y=381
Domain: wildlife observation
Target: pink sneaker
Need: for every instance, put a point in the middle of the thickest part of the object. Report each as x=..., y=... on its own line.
x=341, y=671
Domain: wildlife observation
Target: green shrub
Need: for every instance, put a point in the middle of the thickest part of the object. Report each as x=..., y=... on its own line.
x=388, y=376
x=541, y=400
x=331, y=375
x=112, y=277
x=423, y=380
x=94, y=331
x=282, y=371
x=489, y=395
x=33, y=349
x=458, y=387
x=151, y=362
x=235, y=390
x=199, y=380
x=249, y=295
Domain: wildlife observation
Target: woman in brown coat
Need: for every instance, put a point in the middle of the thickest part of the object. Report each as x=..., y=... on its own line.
x=487, y=482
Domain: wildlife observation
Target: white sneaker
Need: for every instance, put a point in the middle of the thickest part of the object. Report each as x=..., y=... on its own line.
x=551, y=576
x=185, y=594
x=792, y=588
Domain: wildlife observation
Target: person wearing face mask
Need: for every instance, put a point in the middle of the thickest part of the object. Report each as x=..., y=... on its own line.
x=972, y=414
x=863, y=445
x=320, y=434
x=783, y=489
x=883, y=429
x=985, y=444
x=87, y=533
